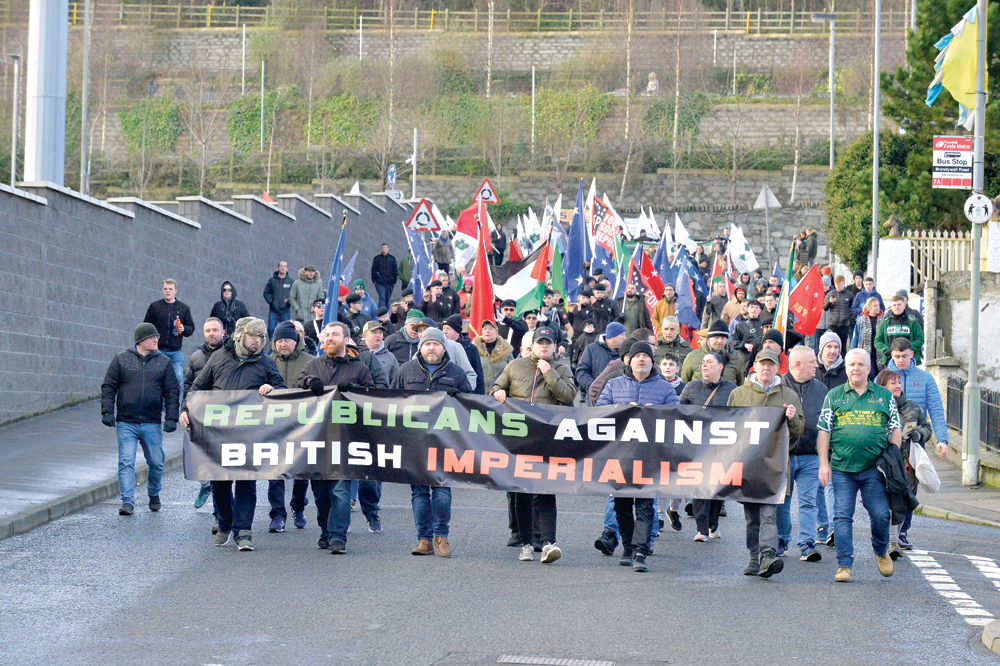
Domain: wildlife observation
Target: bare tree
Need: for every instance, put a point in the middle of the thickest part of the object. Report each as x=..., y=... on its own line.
x=202, y=99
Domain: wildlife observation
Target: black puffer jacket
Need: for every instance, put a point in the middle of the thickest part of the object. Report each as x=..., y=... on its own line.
x=697, y=391
x=140, y=386
x=811, y=395
x=230, y=311
x=225, y=371
x=196, y=363
x=415, y=376
x=840, y=309
x=336, y=370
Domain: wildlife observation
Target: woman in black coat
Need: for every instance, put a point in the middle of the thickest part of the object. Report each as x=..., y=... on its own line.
x=709, y=391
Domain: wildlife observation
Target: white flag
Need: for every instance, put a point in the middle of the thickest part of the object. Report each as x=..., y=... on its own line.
x=741, y=256
x=681, y=236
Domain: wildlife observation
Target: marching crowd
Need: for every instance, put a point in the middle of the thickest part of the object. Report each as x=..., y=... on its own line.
x=855, y=402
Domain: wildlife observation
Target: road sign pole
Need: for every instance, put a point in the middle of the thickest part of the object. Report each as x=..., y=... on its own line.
x=970, y=432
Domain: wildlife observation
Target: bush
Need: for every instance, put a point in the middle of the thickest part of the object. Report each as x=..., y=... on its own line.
x=150, y=124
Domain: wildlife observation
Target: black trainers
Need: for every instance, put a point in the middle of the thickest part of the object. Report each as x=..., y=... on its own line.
x=126, y=509
x=338, y=547
x=675, y=520
x=626, y=558
x=323, y=543
x=154, y=503
x=514, y=541
x=770, y=564
x=904, y=543
x=689, y=509
x=830, y=541
x=607, y=542
x=752, y=569
x=639, y=563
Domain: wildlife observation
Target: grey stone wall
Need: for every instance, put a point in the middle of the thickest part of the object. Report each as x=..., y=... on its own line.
x=77, y=274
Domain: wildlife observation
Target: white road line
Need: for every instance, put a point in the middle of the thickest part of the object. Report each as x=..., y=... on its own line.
x=945, y=585
x=987, y=567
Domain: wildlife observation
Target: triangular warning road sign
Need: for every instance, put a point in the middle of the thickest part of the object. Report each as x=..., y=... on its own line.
x=423, y=218
x=487, y=193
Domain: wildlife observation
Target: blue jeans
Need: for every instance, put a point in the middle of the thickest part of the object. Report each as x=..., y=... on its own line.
x=150, y=436
x=431, y=510
x=235, y=508
x=611, y=521
x=636, y=531
x=824, y=524
x=340, y=510
x=177, y=360
x=369, y=494
x=273, y=319
x=384, y=294
x=909, y=514
x=803, y=472
x=846, y=487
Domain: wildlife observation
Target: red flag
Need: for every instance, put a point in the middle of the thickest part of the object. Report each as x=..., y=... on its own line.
x=650, y=279
x=806, y=302
x=730, y=287
x=540, y=270
x=467, y=223
x=267, y=197
x=514, y=253
x=482, y=289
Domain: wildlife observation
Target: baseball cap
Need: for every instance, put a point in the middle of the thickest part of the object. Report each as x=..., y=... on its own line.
x=372, y=325
x=544, y=333
x=767, y=355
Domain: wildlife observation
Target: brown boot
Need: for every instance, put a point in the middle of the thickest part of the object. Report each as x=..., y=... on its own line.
x=424, y=547
x=442, y=546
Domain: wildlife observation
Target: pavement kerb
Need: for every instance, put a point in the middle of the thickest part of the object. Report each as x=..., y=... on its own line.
x=81, y=499
x=991, y=636
x=934, y=512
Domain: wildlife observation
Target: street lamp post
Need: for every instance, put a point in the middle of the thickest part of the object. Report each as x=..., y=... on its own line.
x=819, y=17
x=16, y=57
x=876, y=117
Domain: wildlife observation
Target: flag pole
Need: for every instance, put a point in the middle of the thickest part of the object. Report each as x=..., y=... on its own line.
x=970, y=431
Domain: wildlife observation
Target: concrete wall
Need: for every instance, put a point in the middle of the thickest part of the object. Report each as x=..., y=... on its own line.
x=220, y=48
x=77, y=274
x=948, y=322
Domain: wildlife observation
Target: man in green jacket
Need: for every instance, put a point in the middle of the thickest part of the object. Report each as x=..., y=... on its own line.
x=304, y=293
x=898, y=323
x=765, y=389
x=539, y=378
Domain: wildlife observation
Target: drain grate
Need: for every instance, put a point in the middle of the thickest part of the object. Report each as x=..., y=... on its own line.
x=550, y=661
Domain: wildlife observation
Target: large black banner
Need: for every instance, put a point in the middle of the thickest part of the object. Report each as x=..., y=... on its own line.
x=429, y=438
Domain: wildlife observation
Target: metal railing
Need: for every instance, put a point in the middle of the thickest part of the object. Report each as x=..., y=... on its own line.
x=935, y=252
x=15, y=13
x=989, y=419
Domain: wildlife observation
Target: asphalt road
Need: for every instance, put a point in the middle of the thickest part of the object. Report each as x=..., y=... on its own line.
x=96, y=588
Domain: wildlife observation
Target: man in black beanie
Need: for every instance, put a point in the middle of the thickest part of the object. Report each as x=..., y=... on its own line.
x=139, y=384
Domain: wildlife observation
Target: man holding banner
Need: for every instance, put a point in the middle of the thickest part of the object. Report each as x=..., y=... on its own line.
x=764, y=389
x=335, y=368
x=538, y=378
x=432, y=370
x=240, y=366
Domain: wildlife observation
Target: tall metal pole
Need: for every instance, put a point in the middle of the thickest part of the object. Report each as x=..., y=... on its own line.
x=243, y=75
x=262, y=106
x=16, y=57
x=532, y=114
x=84, y=179
x=970, y=433
x=833, y=33
x=414, y=194
x=877, y=112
